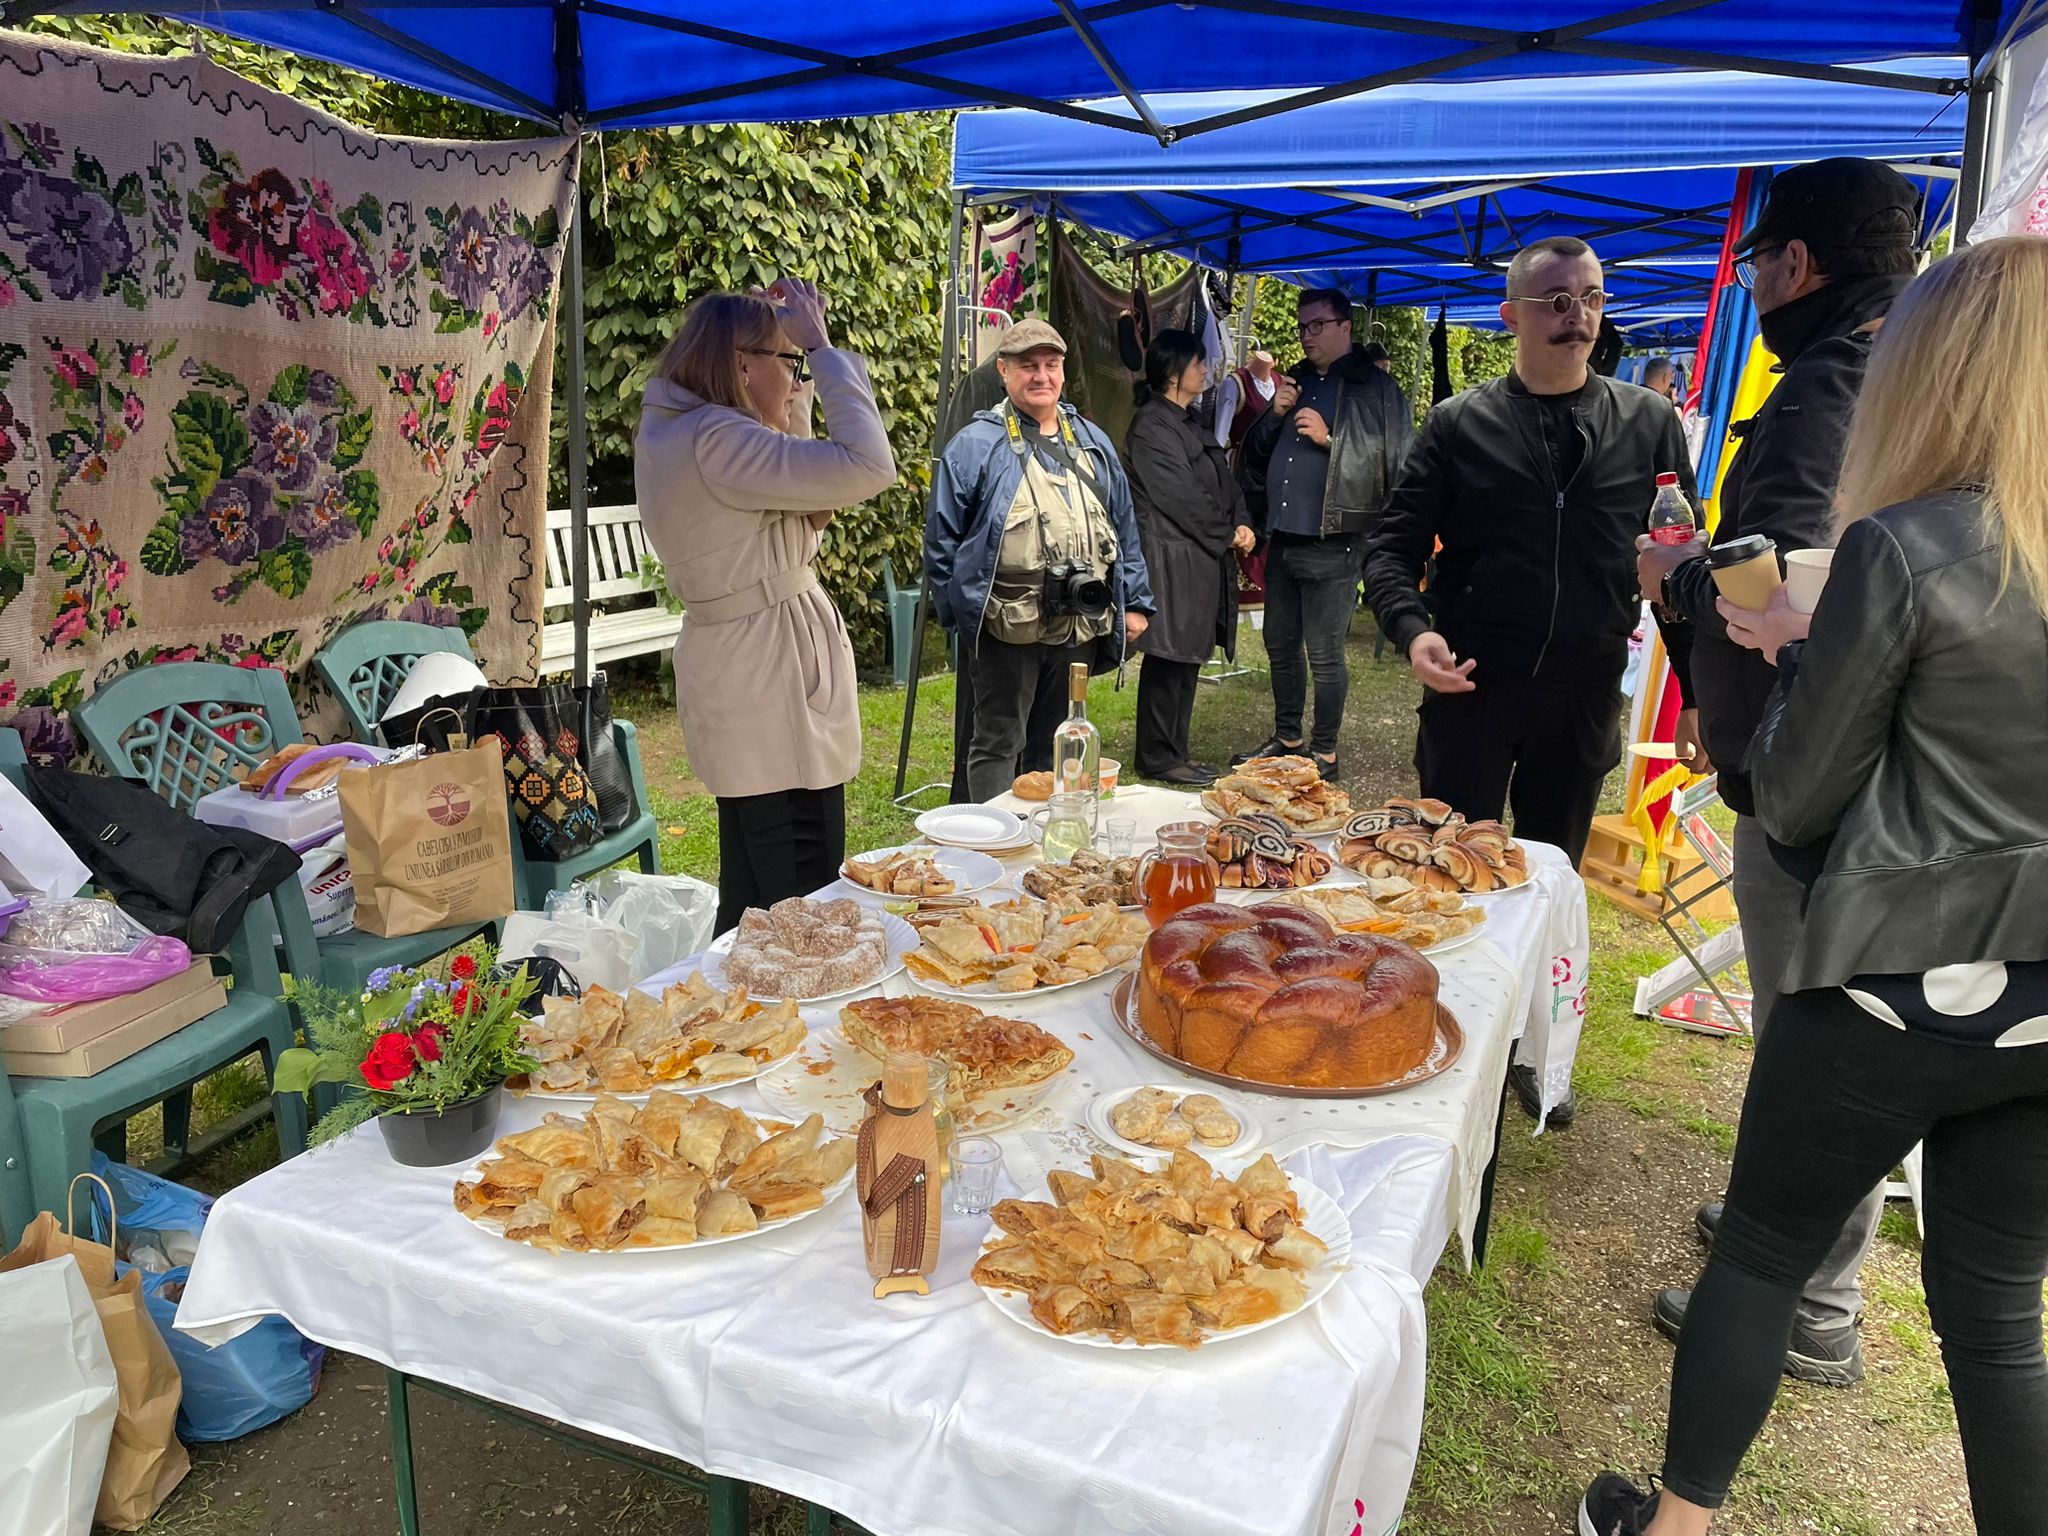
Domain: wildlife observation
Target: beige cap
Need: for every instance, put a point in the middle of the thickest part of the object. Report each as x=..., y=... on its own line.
x=1029, y=336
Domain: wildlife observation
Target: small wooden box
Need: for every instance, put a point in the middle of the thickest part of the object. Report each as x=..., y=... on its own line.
x=1613, y=863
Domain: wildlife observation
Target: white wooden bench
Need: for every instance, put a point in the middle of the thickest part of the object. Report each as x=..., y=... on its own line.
x=618, y=547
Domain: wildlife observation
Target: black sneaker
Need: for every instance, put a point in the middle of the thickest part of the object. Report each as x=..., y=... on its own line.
x=1614, y=1506
x=1331, y=767
x=1529, y=1094
x=1707, y=1221
x=1272, y=746
x=1830, y=1357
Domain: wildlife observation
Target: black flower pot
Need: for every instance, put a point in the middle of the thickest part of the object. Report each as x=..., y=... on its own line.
x=430, y=1138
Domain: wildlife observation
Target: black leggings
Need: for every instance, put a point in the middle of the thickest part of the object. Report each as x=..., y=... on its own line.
x=1835, y=1100
x=789, y=843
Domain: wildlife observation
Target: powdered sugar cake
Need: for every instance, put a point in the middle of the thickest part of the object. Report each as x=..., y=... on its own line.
x=801, y=948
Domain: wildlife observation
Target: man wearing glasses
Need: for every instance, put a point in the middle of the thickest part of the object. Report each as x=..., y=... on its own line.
x=1329, y=447
x=1536, y=485
x=1834, y=247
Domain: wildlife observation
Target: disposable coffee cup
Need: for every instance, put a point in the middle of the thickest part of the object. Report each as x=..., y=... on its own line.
x=1746, y=571
x=1806, y=572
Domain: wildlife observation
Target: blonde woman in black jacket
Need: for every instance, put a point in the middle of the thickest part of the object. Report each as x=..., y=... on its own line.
x=1898, y=769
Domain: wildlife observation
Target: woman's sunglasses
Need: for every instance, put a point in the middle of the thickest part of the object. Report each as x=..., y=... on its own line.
x=799, y=364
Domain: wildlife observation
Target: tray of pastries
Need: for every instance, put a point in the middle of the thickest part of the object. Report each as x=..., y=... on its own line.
x=1257, y=851
x=1089, y=879
x=809, y=950
x=920, y=870
x=670, y=1173
x=1291, y=788
x=693, y=1037
x=1428, y=843
x=1428, y=920
x=1174, y=1257
x=1021, y=946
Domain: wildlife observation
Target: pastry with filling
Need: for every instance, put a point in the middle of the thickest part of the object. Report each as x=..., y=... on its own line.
x=985, y=1054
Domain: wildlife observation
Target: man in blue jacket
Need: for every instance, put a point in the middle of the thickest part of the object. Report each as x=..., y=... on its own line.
x=1032, y=553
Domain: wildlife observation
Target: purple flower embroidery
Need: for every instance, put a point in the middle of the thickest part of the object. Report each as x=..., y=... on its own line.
x=237, y=524
x=470, y=261
x=424, y=610
x=70, y=234
x=320, y=387
x=322, y=519
x=521, y=277
x=45, y=734
x=256, y=222
x=292, y=445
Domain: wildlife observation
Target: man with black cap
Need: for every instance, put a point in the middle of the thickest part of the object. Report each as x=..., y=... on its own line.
x=1032, y=552
x=1834, y=247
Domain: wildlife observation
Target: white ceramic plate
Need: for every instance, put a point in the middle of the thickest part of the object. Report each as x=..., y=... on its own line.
x=989, y=994
x=968, y=869
x=814, y=1019
x=902, y=939
x=496, y=1229
x=1319, y=1214
x=830, y=1073
x=974, y=826
x=1506, y=890
x=1100, y=1106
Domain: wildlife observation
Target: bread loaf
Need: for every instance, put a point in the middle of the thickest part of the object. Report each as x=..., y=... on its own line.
x=1276, y=995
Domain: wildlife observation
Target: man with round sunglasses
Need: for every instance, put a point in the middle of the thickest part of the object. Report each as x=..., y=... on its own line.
x=1535, y=486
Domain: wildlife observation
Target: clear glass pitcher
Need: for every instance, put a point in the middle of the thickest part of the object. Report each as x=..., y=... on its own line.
x=1178, y=872
x=1065, y=825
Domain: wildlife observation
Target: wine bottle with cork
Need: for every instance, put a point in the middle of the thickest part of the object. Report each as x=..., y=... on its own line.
x=897, y=1178
x=1076, y=744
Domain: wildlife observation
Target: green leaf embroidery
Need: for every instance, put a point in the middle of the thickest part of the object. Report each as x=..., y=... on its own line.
x=211, y=439
x=287, y=570
x=360, y=488
x=161, y=554
x=352, y=440
x=292, y=386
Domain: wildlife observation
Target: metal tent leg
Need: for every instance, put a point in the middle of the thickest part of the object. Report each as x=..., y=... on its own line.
x=578, y=445
x=398, y=1413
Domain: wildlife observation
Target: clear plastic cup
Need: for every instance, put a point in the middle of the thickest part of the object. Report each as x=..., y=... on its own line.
x=976, y=1162
x=1119, y=837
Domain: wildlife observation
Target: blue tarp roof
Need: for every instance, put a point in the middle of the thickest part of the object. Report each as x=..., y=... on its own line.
x=1434, y=186
x=625, y=62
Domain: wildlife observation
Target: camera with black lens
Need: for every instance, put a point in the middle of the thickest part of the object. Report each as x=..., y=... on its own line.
x=1074, y=591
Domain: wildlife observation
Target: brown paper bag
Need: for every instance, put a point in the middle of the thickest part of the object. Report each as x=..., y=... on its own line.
x=429, y=841
x=145, y=1461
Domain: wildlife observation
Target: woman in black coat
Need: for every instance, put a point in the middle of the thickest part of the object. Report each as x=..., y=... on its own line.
x=1190, y=516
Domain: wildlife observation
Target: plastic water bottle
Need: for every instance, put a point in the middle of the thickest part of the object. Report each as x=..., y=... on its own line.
x=1671, y=514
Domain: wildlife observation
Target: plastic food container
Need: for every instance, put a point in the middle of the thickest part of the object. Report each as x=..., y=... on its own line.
x=298, y=821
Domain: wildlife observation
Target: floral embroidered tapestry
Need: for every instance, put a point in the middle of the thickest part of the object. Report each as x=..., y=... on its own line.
x=262, y=376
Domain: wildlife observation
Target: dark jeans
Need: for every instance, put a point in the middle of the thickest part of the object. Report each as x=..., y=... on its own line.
x=1835, y=1099
x=1166, y=713
x=1542, y=750
x=1311, y=593
x=1020, y=697
x=789, y=843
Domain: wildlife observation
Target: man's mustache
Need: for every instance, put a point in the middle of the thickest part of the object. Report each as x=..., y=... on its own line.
x=1568, y=336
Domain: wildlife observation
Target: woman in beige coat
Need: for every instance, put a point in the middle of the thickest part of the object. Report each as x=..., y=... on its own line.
x=735, y=495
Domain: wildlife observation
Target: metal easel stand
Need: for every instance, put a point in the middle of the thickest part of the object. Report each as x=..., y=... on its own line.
x=1705, y=958
x=726, y=1496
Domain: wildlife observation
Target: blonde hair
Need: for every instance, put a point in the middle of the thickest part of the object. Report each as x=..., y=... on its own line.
x=1956, y=396
x=703, y=356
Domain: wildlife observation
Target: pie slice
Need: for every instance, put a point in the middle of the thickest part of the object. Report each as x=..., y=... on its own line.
x=987, y=1054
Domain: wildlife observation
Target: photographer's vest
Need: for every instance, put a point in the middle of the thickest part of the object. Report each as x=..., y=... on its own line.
x=1056, y=517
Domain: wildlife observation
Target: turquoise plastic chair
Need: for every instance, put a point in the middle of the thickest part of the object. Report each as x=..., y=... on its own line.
x=49, y=1126
x=364, y=667
x=902, y=622
x=183, y=728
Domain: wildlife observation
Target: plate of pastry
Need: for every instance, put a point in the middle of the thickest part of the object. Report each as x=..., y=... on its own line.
x=651, y=1178
x=1089, y=879
x=692, y=1038
x=1433, y=922
x=1146, y=1121
x=1291, y=788
x=920, y=869
x=1432, y=846
x=1163, y=1255
x=1021, y=947
x=809, y=951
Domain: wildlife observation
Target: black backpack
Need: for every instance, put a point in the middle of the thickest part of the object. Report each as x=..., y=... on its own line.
x=170, y=872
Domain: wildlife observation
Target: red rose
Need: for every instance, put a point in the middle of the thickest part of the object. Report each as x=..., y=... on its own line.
x=463, y=967
x=390, y=1061
x=427, y=1043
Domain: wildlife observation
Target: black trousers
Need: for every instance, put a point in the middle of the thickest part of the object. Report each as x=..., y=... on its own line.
x=789, y=843
x=1542, y=751
x=1311, y=594
x=1166, y=713
x=1020, y=697
x=1835, y=1099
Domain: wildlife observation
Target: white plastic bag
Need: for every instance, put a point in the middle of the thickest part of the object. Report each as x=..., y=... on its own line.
x=58, y=1399
x=595, y=952
x=672, y=914
x=330, y=892
x=34, y=860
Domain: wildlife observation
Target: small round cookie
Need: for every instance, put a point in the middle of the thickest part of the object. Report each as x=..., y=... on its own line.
x=1173, y=1133
x=1217, y=1129
x=1196, y=1105
x=1159, y=1096
x=1137, y=1119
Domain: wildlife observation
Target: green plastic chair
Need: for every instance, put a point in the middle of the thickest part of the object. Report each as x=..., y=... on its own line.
x=183, y=728
x=364, y=667
x=49, y=1126
x=902, y=622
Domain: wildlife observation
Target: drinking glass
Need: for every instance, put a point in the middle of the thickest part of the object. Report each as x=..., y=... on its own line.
x=1119, y=836
x=976, y=1162
x=939, y=1089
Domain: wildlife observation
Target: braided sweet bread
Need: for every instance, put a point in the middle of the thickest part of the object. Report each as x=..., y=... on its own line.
x=1275, y=994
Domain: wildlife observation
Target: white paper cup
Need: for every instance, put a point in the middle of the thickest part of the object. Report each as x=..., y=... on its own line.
x=1806, y=572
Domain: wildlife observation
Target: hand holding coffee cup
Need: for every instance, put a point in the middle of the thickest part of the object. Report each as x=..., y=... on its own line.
x=1777, y=625
x=1746, y=571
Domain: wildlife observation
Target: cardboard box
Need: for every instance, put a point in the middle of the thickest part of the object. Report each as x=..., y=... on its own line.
x=117, y=1044
x=63, y=1029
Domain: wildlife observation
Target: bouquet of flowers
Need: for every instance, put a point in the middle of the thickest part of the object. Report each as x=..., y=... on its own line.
x=417, y=1040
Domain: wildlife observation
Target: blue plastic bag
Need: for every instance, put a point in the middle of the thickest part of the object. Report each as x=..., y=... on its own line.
x=252, y=1380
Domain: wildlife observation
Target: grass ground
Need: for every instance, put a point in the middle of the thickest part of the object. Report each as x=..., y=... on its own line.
x=1543, y=1368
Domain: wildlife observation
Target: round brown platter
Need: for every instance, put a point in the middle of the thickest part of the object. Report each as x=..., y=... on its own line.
x=1443, y=1055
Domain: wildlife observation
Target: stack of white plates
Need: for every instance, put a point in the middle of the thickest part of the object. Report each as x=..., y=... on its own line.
x=980, y=827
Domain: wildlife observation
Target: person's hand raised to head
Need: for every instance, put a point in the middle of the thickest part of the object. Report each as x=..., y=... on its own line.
x=802, y=311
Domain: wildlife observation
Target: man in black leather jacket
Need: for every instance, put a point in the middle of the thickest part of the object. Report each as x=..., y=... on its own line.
x=1328, y=449
x=1832, y=249
x=1536, y=485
